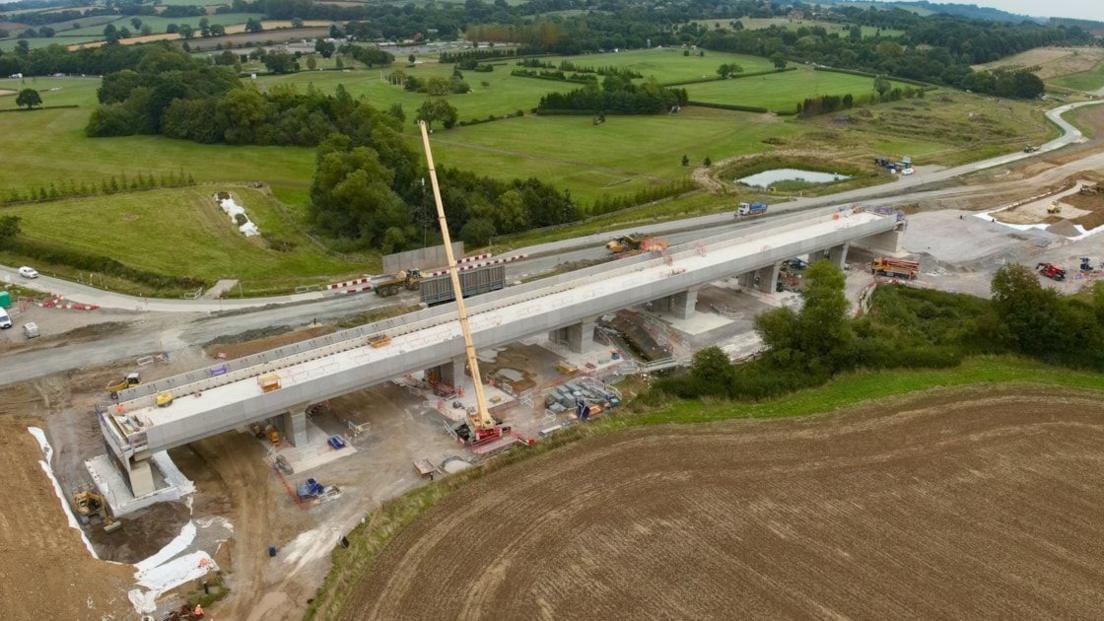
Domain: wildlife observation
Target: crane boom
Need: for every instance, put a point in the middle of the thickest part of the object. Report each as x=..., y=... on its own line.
x=481, y=420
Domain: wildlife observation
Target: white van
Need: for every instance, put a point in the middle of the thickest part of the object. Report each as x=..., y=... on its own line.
x=5, y=320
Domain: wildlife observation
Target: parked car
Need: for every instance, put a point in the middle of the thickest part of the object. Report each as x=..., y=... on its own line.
x=5, y=320
x=28, y=272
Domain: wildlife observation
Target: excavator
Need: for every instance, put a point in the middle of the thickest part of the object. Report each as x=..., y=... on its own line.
x=482, y=428
x=89, y=505
x=629, y=243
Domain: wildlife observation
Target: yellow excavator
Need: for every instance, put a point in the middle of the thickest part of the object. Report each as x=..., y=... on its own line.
x=482, y=427
x=89, y=505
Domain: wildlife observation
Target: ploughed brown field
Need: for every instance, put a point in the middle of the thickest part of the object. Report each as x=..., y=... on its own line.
x=984, y=504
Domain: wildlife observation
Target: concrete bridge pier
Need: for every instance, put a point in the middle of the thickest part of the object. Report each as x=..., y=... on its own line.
x=295, y=425
x=578, y=337
x=450, y=372
x=682, y=304
x=763, y=279
x=837, y=255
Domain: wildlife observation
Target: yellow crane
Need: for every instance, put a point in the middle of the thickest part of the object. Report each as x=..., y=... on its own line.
x=480, y=422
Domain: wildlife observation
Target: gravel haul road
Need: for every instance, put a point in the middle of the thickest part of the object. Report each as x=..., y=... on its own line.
x=983, y=504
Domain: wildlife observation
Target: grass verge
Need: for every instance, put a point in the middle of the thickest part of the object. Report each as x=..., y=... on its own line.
x=369, y=539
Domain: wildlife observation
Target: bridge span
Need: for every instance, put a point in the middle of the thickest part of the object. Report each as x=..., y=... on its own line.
x=226, y=396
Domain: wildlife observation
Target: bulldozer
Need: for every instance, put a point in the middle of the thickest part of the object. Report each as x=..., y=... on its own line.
x=129, y=380
x=90, y=505
x=628, y=243
x=389, y=284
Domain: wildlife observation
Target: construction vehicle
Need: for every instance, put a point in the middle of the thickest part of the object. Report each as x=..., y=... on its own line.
x=90, y=505
x=269, y=382
x=129, y=380
x=625, y=243
x=1086, y=264
x=390, y=284
x=751, y=209
x=1054, y=208
x=482, y=428
x=164, y=400
x=897, y=268
x=1051, y=271
x=1030, y=149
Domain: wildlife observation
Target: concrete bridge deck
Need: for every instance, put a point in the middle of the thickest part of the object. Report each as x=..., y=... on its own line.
x=215, y=403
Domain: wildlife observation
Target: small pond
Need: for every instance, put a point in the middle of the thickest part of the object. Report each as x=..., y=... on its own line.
x=768, y=178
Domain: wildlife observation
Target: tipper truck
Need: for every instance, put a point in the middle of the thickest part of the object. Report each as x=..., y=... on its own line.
x=751, y=209
x=899, y=268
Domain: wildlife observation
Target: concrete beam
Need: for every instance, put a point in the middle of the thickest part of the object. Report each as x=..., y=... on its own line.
x=230, y=397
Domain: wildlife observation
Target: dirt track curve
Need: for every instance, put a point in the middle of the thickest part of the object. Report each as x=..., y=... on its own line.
x=955, y=505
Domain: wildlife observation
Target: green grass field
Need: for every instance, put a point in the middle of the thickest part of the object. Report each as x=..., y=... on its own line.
x=503, y=94
x=667, y=64
x=623, y=155
x=9, y=44
x=781, y=92
x=44, y=146
x=1088, y=81
x=158, y=23
x=133, y=228
x=758, y=23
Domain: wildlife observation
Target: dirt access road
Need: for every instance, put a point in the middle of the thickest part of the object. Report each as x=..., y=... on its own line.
x=980, y=504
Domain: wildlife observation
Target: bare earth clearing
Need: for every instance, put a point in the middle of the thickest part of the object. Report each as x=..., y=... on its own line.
x=45, y=570
x=973, y=504
x=1052, y=61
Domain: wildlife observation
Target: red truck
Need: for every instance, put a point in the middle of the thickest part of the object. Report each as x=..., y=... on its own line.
x=1051, y=271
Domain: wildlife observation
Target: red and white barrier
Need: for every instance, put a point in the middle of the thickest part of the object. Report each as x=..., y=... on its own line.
x=475, y=266
x=349, y=283
x=60, y=303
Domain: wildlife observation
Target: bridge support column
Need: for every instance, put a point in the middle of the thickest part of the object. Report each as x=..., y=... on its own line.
x=817, y=255
x=140, y=473
x=578, y=337
x=766, y=279
x=837, y=255
x=450, y=372
x=295, y=426
x=888, y=243
x=682, y=304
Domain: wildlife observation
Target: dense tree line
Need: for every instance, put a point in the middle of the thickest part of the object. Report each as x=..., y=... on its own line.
x=919, y=55
x=369, y=56
x=617, y=95
x=905, y=328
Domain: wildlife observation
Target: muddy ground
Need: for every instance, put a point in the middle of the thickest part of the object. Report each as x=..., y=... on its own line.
x=981, y=504
x=45, y=570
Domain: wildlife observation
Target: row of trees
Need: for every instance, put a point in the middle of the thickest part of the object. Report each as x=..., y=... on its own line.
x=107, y=185
x=617, y=95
